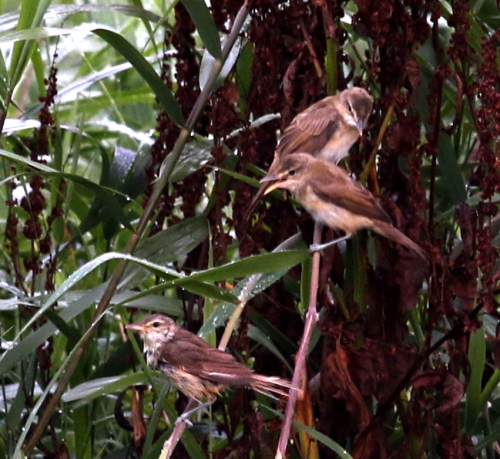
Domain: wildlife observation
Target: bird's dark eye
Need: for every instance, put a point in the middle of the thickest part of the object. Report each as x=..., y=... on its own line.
x=351, y=110
x=292, y=172
x=156, y=324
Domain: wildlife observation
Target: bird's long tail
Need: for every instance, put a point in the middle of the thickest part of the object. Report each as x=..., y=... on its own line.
x=390, y=232
x=270, y=385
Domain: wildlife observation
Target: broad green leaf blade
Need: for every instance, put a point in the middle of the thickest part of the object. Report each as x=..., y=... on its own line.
x=202, y=289
x=450, y=170
x=30, y=16
x=33, y=413
x=161, y=303
x=285, y=343
x=4, y=80
x=142, y=66
x=10, y=20
x=193, y=157
x=244, y=75
x=18, y=402
x=37, y=33
x=260, y=337
x=205, y=25
x=111, y=202
x=27, y=346
x=334, y=446
x=266, y=263
x=208, y=61
x=477, y=357
x=118, y=362
x=169, y=245
x=90, y=390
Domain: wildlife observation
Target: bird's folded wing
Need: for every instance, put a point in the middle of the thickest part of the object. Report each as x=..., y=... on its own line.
x=193, y=355
x=309, y=131
x=342, y=191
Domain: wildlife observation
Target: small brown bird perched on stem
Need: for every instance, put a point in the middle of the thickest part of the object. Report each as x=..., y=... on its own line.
x=325, y=130
x=334, y=199
x=194, y=367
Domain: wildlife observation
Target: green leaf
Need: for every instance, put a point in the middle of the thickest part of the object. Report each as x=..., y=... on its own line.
x=193, y=157
x=171, y=244
x=244, y=73
x=36, y=33
x=477, y=357
x=285, y=343
x=142, y=66
x=4, y=80
x=490, y=439
x=70, y=332
x=32, y=12
x=18, y=404
x=266, y=263
x=126, y=175
x=110, y=202
x=117, y=363
x=27, y=346
x=450, y=170
x=334, y=446
x=205, y=25
x=208, y=61
x=95, y=388
x=146, y=300
x=260, y=337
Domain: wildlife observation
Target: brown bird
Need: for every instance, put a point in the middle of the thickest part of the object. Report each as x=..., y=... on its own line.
x=194, y=367
x=325, y=130
x=334, y=199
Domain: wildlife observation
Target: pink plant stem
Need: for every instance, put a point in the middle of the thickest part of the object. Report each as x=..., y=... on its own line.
x=300, y=361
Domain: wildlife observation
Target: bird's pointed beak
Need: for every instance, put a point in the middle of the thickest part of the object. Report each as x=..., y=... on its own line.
x=361, y=125
x=270, y=178
x=278, y=181
x=135, y=327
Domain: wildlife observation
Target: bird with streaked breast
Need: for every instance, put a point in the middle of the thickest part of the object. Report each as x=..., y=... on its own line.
x=334, y=199
x=194, y=367
x=325, y=130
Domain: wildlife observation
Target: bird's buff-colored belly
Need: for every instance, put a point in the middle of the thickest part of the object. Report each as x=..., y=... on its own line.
x=331, y=215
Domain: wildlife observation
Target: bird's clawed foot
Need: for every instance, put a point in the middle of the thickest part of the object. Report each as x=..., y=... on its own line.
x=184, y=418
x=320, y=247
x=316, y=248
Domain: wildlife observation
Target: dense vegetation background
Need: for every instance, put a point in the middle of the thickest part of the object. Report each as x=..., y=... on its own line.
x=139, y=127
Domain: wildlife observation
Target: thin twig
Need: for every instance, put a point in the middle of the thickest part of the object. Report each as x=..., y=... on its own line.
x=300, y=361
x=171, y=442
x=310, y=46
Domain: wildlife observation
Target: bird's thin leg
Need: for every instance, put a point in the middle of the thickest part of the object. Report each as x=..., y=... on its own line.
x=184, y=416
x=319, y=247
